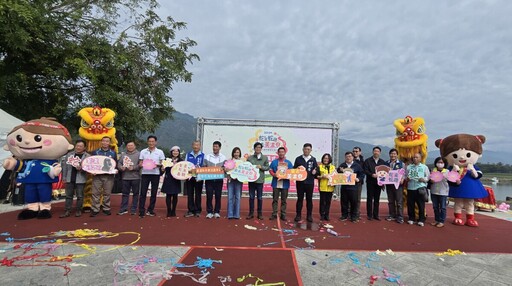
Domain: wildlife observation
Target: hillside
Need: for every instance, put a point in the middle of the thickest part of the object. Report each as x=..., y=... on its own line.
x=181, y=131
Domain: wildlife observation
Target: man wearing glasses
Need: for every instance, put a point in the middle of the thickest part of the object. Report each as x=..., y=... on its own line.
x=359, y=159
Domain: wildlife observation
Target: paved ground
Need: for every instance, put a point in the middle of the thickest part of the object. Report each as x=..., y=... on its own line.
x=103, y=265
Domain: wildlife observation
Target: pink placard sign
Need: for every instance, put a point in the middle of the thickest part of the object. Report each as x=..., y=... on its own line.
x=181, y=170
x=386, y=176
x=453, y=176
x=436, y=176
x=99, y=165
x=74, y=161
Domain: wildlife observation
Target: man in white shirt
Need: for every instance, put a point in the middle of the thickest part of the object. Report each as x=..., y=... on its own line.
x=150, y=161
x=215, y=159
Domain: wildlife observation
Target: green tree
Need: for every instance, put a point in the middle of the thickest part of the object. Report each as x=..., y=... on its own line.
x=58, y=56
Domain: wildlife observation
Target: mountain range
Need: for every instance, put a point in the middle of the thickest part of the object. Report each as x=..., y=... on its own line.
x=181, y=131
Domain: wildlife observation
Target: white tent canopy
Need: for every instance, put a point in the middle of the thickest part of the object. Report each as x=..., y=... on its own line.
x=7, y=123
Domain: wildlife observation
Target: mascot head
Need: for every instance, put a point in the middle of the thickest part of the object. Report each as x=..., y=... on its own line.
x=461, y=149
x=43, y=139
x=410, y=138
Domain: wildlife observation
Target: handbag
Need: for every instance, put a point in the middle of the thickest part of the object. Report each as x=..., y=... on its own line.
x=424, y=192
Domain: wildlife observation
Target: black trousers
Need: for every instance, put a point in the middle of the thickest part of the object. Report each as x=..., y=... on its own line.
x=171, y=200
x=145, y=180
x=414, y=198
x=325, y=203
x=194, y=191
x=303, y=189
x=213, y=187
x=349, y=204
x=372, y=200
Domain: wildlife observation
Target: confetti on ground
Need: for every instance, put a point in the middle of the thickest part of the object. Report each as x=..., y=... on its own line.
x=219, y=249
x=40, y=250
x=77, y=264
x=451, y=252
x=378, y=252
x=327, y=225
x=390, y=252
x=258, y=280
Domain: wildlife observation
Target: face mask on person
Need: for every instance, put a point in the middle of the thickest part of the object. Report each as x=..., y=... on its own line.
x=440, y=165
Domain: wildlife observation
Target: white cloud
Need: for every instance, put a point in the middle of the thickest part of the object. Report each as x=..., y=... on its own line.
x=361, y=63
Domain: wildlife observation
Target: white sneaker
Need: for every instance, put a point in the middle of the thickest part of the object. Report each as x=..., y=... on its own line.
x=210, y=215
x=217, y=215
x=410, y=222
x=421, y=224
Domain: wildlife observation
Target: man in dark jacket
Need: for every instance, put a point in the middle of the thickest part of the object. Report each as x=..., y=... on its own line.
x=359, y=159
x=372, y=187
x=306, y=187
x=349, y=203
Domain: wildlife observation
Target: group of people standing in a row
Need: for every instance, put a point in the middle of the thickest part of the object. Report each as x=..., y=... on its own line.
x=136, y=180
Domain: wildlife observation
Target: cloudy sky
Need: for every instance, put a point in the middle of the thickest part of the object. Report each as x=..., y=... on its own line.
x=361, y=63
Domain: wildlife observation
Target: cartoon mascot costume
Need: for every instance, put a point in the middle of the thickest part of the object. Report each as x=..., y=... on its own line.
x=36, y=146
x=462, y=151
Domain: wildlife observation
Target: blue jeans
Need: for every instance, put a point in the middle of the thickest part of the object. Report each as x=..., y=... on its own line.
x=234, y=194
x=439, y=204
x=255, y=189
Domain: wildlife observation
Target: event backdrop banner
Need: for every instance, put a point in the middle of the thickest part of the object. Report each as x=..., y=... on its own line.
x=272, y=134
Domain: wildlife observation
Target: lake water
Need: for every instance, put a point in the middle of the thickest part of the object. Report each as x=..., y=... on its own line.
x=501, y=191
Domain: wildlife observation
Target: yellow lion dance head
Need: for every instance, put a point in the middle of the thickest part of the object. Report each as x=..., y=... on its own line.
x=97, y=123
x=411, y=138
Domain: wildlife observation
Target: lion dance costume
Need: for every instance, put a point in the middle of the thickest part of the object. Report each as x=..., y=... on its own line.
x=96, y=123
x=410, y=139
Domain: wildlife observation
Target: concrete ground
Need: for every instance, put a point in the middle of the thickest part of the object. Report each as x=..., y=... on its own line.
x=147, y=265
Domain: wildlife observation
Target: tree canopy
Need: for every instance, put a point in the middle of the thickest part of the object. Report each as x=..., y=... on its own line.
x=58, y=56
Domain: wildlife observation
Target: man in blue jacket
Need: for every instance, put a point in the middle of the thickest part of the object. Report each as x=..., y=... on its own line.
x=195, y=187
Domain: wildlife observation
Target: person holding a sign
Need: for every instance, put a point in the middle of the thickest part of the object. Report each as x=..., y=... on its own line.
x=326, y=167
x=306, y=187
x=256, y=188
x=215, y=159
x=279, y=186
x=417, y=177
x=372, y=187
x=395, y=194
x=349, y=193
x=75, y=178
x=234, y=188
x=102, y=183
x=171, y=187
x=194, y=187
x=439, y=190
x=150, y=160
x=130, y=176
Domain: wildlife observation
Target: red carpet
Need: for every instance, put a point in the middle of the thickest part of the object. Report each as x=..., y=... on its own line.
x=365, y=235
x=240, y=267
